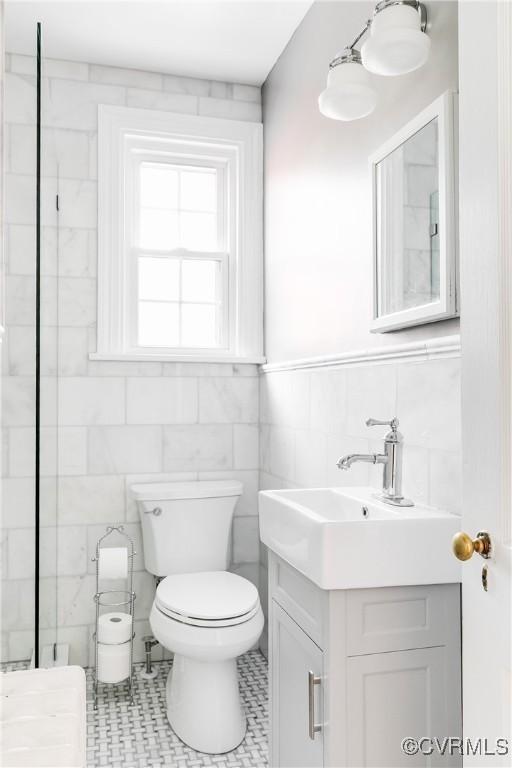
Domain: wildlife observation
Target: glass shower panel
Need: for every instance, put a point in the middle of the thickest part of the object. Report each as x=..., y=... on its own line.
x=50, y=652
x=30, y=357
x=18, y=533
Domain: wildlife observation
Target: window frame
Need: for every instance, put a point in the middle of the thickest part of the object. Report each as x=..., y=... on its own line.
x=126, y=138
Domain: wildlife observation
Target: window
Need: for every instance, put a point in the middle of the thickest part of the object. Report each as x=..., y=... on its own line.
x=180, y=253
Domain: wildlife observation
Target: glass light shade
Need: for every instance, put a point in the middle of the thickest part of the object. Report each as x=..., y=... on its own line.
x=396, y=44
x=348, y=95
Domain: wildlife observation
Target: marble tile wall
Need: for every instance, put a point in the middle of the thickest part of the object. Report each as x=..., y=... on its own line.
x=118, y=422
x=309, y=418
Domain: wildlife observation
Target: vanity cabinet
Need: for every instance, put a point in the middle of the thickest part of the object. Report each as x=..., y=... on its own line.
x=369, y=666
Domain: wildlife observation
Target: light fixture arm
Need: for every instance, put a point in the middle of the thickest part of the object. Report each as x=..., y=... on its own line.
x=350, y=53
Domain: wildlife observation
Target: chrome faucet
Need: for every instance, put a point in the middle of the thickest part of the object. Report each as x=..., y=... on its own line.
x=391, y=459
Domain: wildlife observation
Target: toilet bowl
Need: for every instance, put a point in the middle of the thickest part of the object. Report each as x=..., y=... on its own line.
x=207, y=620
x=204, y=614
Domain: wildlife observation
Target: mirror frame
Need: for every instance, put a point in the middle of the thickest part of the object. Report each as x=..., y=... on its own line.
x=445, y=110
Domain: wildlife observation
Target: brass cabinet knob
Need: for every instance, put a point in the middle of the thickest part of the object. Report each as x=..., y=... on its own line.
x=463, y=545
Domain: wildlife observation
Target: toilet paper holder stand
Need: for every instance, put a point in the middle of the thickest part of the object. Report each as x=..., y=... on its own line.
x=116, y=599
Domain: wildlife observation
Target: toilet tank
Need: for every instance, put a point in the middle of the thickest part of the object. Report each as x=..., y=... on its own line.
x=186, y=527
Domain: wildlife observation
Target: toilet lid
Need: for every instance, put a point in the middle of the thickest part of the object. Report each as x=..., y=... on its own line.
x=211, y=596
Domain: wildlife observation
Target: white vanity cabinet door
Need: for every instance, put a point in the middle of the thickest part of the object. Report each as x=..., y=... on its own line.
x=293, y=657
x=392, y=696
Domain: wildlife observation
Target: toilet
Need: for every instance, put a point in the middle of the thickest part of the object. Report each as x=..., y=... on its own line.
x=206, y=615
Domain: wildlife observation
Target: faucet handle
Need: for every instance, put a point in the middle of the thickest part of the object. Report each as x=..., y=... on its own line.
x=393, y=423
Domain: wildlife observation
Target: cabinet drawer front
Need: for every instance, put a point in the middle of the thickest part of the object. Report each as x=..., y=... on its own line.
x=399, y=618
x=302, y=600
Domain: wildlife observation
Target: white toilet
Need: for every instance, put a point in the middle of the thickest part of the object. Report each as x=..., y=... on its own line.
x=204, y=614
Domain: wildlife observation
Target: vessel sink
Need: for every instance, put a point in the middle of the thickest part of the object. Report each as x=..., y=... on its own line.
x=345, y=538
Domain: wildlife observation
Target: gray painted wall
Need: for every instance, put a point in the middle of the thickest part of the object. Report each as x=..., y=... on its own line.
x=317, y=191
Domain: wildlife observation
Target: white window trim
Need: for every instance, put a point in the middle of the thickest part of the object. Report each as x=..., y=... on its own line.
x=116, y=127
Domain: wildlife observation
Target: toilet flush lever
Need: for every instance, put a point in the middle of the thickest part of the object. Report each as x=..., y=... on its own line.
x=157, y=511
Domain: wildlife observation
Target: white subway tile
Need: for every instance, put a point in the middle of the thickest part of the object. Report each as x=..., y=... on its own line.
x=77, y=252
x=70, y=149
x=77, y=301
x=134, y=78
x=167, y=102
x=84, y=401
x=161, y=401
x=246, y=446
x=20, y=249
x=91, y=500
x=21, y=65
x=127, y=369
x=18, y=502
x=246, y=539
x=73, y=346
x=75, y=603
x=288, y=398
x=224, y=400
x=310, y=458
x=198, y=447
x=125, y=449
x=264, y=453
x=282, y=452
x=247, y=93
x=220, y=90
x=21, y=553
x=67, y=70
x=20, y=98
x=20, y=149
x=190, y=85
x=446, y=481
x=72, y=450
x=20, y=342
x=20, y=199
x=22, y=451
x=329, y=400
x=416, y=466
x=73, y=104
x=371, y=392
x=230, y=110
x=78, y=203
x=429, y=404
x=72, y=556
x=18, y=401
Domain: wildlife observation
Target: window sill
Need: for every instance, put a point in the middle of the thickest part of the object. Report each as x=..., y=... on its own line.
x=131, y=357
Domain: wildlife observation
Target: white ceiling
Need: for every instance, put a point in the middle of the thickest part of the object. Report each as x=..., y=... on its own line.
x=232, y=40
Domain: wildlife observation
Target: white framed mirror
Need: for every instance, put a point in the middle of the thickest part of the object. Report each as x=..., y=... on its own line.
x=414, y=221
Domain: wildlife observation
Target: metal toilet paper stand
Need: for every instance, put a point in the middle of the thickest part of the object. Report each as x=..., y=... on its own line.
x=114, y=598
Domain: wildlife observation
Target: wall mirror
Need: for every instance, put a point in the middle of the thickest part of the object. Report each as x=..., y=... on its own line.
x=414, y=221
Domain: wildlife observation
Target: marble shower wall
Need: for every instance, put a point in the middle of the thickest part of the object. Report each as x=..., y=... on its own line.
x=119, y=422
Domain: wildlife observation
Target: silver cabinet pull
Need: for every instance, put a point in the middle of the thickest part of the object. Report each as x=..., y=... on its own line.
x=312, y=681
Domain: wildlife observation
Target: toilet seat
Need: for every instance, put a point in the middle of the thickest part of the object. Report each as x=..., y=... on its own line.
x=207, y=599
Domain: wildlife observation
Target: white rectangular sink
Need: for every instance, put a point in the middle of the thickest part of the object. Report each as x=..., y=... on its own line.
x=345, y=538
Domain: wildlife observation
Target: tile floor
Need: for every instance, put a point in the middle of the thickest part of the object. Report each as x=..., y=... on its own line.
x=122, y=736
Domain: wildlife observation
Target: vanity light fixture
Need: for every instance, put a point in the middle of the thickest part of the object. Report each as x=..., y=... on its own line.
x=397, y=44
x=349, y=94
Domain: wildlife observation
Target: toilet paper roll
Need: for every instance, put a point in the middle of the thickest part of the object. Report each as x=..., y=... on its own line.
x=114, y=627
x=113, y=663
x=113, y=563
